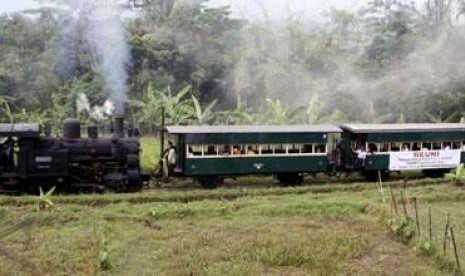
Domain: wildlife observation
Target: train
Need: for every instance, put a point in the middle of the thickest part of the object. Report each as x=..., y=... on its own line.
x=288, y=152
x=30, y=161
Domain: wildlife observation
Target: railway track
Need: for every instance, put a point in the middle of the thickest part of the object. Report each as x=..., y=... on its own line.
x=257, y=182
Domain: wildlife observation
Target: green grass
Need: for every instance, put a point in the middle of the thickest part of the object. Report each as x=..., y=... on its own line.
x=305, y=230
x=150, y=153
x=443, y=200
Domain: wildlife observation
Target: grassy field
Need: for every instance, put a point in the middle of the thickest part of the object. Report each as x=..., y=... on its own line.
x=324, y=229
x=150, y=153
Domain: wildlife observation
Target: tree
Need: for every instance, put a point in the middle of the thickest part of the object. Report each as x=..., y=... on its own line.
x=389, y=25
x=190, y=45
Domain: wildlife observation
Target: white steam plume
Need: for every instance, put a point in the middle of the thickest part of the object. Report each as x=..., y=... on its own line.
x=96, y=112
x=82, y=103
x=106, y=34
x=104, y=31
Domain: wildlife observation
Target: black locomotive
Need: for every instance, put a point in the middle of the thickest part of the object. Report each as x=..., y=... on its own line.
x=29, y=161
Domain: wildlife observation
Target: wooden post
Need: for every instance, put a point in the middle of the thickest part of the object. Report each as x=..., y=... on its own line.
x=455, y=247
x=162, y=133
x=444, y=246
x=393, y=199
x=404, y=204
x=430, y=227
x=416, y=215
x=381, y=186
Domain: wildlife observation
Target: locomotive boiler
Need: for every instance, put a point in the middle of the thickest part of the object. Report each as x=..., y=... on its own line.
x=72, y=162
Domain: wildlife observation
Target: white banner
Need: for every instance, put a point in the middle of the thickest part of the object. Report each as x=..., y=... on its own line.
x=421, y=160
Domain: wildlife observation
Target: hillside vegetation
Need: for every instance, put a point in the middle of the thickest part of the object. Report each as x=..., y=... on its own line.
x=389, y=61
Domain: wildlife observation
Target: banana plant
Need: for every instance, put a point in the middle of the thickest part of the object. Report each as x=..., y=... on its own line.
x=205, y=115
x=178, y=108
x=401, y=119
x=6, y=109
x=371, y=116
x=314, y=110
x=338, y=116
x=274, y=113
x=44, y=199
x=238, y=116
x=454, y=117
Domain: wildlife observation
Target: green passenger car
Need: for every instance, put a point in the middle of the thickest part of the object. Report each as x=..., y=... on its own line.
x=208, y=153
x=431, y=148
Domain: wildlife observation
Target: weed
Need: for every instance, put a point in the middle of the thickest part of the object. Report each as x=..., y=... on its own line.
x=103, y=248
x=404, y=228
x=426, y=247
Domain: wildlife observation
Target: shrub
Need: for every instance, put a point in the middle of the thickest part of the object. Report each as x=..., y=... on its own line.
x=457, y=175
x=404, y=228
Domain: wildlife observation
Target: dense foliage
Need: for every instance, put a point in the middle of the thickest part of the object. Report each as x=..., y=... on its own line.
x=390, y=61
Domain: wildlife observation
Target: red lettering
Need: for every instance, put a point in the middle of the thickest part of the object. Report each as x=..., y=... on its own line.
x=426, y=154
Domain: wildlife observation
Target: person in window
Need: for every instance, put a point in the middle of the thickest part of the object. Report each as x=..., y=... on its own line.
x=426, y=147
x=405, y=147
x=446, y=146
x=372, y=148
x=251, y=151
x=226, y=150
x=307, y=148
x=361, y=157
x=385, y=148
x=190, y=152
x=236, y=150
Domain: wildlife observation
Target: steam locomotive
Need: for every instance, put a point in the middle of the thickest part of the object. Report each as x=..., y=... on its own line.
x=70, y=163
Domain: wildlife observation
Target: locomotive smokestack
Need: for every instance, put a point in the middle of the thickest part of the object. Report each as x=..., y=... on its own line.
x=118, y=121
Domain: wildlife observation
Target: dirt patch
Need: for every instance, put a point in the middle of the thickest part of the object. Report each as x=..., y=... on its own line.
x=386, y=256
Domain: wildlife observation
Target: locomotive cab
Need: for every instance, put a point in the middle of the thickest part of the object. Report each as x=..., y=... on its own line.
x=11, y=135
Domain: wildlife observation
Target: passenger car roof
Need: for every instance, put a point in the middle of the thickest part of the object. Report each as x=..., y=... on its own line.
x=253, y=129
x=399, y=128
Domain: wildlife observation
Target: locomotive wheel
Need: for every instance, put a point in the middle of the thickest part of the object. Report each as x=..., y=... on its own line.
x=287, y=179
x=210, y=182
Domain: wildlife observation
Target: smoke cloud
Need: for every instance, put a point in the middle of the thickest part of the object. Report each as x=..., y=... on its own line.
x=96, y=112
x=295, y=61
x=103, y=29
